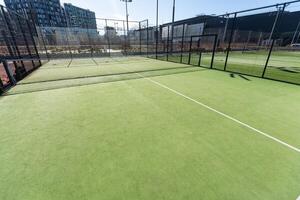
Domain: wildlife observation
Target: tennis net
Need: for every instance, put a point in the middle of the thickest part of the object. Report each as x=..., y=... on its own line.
x=58, y=74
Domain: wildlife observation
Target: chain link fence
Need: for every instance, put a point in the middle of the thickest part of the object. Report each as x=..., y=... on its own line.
x=19, y=55
x=261, y=42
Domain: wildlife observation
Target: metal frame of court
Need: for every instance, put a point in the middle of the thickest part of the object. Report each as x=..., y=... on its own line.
x=18, y=46
x=232, y=18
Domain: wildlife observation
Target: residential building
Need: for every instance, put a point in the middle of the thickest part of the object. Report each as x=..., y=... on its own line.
x=45, y=13
x=110, y=32
x=79, y=17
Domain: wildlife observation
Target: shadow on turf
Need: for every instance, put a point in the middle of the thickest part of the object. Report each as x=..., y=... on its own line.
x=240, y=75
x=114, y=78
x=294, y=70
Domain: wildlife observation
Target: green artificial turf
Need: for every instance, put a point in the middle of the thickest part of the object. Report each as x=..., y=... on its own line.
x=81, y=68
x=135, y=139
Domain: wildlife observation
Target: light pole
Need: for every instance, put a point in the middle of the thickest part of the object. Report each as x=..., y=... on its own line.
x=157, y=13
x=127, y=15
x=173, y=20
x=156, y=46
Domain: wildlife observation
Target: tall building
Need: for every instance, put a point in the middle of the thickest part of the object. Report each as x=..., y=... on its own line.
x=45, y=13
x=79, y=17
x=110, y=32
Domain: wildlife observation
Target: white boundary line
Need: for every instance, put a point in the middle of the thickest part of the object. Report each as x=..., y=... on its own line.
x=222, y=114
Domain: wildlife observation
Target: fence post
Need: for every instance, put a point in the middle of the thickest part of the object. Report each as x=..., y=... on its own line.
x=274, y=29
x=268, y=58
x=200, y=57
x=140, y=38
x=147, y=37
x=230, y=41
x=125, y=38
x=182, y=42
x=156, y=47
x=200, y=52
x=191, y=41
x=107, y=37
x=168, y=43
x=214, y=52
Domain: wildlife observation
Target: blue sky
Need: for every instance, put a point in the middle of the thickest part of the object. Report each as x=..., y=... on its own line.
x=145, y=9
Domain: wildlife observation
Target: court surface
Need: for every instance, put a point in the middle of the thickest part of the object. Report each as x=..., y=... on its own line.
x=138, y=128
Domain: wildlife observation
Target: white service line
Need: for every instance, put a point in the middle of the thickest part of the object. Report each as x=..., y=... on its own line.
x=223, y=114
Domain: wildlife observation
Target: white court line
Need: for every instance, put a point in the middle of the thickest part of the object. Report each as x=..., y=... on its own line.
x=223, y=114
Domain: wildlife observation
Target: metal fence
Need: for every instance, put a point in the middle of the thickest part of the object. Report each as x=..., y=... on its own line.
x=25, y=45
x=19, y=54
x=262, y=42
x=109, y=38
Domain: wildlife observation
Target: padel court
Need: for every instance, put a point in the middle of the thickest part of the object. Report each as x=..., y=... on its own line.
x=140, y=128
